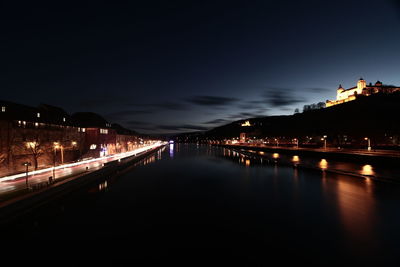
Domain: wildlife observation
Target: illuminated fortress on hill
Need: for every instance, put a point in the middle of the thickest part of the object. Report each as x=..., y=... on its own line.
x=346, y=95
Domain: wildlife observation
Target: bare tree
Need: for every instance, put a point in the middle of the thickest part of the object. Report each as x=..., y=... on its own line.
x=3, y=157
x=35, y=148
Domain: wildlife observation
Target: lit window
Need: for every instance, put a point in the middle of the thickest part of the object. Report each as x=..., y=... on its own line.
x=19, y=123
x=38, y=115
x=63, y=119
x=83, y=130
x=36, y=124
x=103, y=131
x=3, y=109
x=93, y=146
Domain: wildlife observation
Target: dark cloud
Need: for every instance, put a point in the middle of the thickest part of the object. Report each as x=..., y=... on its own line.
x=247, y=106
x=256, y=102
x=211, y=100
x=262, y=111
x=286, y=109
x=217, y=121
x=254, y=107
x=317, y=90
x=182, y=127
x=281, y=97
x=273, y=97
x=245, y=115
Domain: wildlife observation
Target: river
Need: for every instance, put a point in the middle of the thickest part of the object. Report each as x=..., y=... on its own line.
x=197, y=202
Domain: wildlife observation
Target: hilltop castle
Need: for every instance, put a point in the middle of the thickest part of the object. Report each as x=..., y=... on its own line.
x=346, y=95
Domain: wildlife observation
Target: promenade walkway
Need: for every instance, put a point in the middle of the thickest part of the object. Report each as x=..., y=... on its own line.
x=20, y=183
x=366, y=152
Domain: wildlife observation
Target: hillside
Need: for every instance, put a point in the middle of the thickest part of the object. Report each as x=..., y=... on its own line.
x=374, y=116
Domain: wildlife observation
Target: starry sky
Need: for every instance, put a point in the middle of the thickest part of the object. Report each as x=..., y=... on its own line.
x=182, y=66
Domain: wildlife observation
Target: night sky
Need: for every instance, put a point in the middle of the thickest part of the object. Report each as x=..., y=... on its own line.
x=167, y=67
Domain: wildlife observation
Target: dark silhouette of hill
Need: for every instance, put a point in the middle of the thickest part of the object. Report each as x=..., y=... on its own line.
x=374, y=116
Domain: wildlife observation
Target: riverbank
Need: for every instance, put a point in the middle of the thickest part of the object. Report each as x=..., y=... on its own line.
x=273, y=155
x=367, y=157
x=19, y=205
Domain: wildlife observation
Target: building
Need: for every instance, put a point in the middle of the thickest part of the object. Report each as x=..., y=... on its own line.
x=100, y=138
x=44, y=136
x=47, y=136
x=361, y=89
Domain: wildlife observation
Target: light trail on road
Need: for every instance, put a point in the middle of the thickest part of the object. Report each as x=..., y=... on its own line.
x=15, y=182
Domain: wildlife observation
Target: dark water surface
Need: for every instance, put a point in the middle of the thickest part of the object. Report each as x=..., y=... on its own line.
x=201, y=204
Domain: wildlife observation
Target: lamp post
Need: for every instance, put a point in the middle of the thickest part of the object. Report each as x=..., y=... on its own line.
x=55, y=146
x=369, y=143
x=62, y=154
x=324, y=141
x=277, y=142
x=26, y=164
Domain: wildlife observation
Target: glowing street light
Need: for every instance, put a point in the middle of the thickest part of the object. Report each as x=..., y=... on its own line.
x=324, y=138
x=369, y=143
x=56, y=145
x=26, y=164
x=31, y=145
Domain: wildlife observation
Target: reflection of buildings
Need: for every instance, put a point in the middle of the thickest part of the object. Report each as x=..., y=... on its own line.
x=47, y=135
x=346, y=95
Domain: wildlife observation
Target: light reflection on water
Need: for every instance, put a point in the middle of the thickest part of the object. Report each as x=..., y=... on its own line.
x=247, y=162
x=351, y=197
x=171, y=150
x=356, y=206
x=213, y=196
x=367, y=170
x=323, y=164
x=357, y=169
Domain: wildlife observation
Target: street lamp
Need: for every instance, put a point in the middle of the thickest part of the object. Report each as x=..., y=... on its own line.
x=324, y=141
x=297, y=142
x=369, y=143
x=277, y=142
x=55, y=146
x=26, y=164
x=62, y=154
